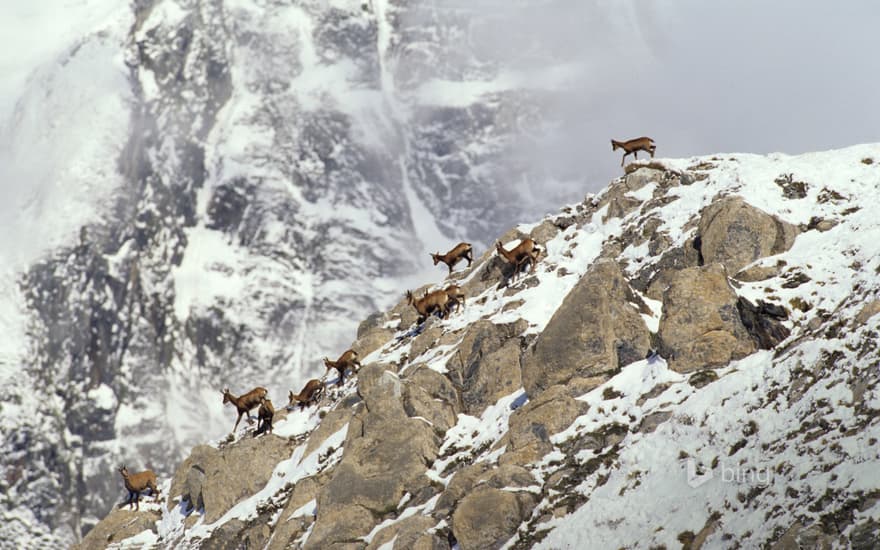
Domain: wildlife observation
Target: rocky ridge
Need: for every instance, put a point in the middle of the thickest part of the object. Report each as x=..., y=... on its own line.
x=694, y=365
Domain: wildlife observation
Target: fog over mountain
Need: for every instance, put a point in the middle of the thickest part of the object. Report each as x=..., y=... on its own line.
x=200, y=194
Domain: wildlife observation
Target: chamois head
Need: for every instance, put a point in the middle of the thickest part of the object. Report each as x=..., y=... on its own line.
x=226, y=395
x=436, y=258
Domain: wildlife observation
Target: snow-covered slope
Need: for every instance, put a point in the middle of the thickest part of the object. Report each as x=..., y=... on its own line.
x=213, y=194
x=776, y=446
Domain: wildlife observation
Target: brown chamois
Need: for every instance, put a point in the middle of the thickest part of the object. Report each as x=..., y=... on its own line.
x=348, y=360
x=456, y=297
x=633, y=147
x=264, y=417
x=135, y=483
x=432, y=302
x=245, y=402
x=311, y=393
x=461, y=250
x=525, y=251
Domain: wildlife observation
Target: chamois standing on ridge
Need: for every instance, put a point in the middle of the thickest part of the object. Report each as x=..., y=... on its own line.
x=265, y=415
x=245, y=402
x=525, y=251
x=432, y=302
x=311, y=393
x=135, y=483
x=461, y=250
x=633, y=147
x=348, y=360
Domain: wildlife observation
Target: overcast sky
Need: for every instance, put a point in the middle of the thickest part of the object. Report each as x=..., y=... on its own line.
x=699, y=76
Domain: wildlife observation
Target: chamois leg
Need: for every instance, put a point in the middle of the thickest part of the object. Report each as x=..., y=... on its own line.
x=237, y=421
x=653, y=148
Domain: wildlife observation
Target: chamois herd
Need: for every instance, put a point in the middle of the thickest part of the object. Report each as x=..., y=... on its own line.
x=439, y=302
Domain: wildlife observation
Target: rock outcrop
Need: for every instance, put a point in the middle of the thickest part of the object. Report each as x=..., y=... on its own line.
x=735, y=233
x=554, y=410
x=700, y=326
x=595, y=331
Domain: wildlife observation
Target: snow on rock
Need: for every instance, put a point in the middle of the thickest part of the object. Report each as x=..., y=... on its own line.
x=778, y=445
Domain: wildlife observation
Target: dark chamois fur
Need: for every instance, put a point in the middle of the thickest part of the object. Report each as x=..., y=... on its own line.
x=461, y=250
x=135, y=483
x=245, y=403
x=432, y=302
x=456, y=297
x=264, y=417
x=633, y=147
x=348, y=360
x=525, y=252
x=310, y=394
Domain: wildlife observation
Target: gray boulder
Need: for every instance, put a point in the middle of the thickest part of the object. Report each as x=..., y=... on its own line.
x=595, y=331
x=701, y=326
x=735, y=234
x=209, y=477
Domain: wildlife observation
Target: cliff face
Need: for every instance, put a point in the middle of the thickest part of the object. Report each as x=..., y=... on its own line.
x=693, y=363
x=271, y=172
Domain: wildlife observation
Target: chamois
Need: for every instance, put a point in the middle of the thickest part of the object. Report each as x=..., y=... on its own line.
x=456, y=297
x=347, y=360
x=311, y=393
x=461, y=250
x=633, y=146
x=433, y=302
x=264, y=416
x=526, y=251
x=135, y=483
x=244, y=403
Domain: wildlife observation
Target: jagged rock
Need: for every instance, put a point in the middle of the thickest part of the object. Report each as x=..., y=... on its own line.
x=332, y=422
x=700, y=326
x=430, y=395
x=487, y=363
x=372, y=334
x=869, y=310
x=119, y=524
x=410, y=533
x=481, y=473
x=531, y=426
x=735, y=233
x=294, y=521
x=654, y=279
x=339, y=527
x=211, y=485
x=865, y=535
x=487, y=517
x=798, y=537
x=596, y=330
x=386, y=453
x=426, y=339
x=764, y=322
x=544, y=232
x=616, y=197
x=759, y=272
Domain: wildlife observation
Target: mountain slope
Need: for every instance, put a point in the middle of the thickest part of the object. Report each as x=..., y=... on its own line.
x=693, y=363
x=214, y=192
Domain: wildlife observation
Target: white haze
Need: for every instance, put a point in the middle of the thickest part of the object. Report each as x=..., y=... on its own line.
x=699, y=77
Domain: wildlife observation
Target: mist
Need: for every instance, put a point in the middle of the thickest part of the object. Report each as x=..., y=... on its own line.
x=698, y=77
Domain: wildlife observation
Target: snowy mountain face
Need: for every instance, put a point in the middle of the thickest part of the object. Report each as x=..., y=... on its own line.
x=236, y=185
x=693, y=363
